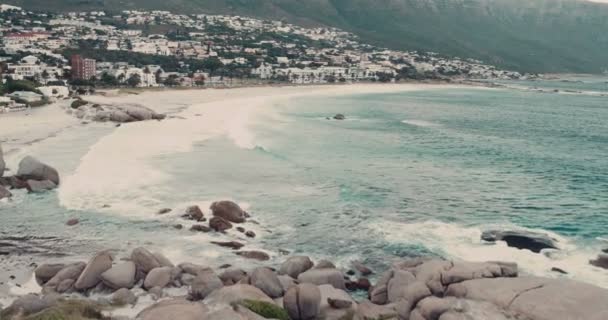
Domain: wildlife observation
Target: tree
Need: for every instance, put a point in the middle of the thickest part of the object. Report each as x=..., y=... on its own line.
x=171, y=81
x=134, y=80
x=108, y=79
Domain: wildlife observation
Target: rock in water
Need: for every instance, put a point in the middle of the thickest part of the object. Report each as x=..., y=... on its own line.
x=123, y=297
x=601, y=261
x=35, y=186
x=229, y=211
x=193, y=213
x=2, y=163
x=339, y=116
x=219, y=224
x=236, y=293
x=256, y=255
x=302, y=302
x=532, y=241
x=91, y=275
x=31, y=168
x=4, y=193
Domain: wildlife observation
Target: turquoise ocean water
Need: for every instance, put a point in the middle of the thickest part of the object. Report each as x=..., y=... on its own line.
x=411, y=173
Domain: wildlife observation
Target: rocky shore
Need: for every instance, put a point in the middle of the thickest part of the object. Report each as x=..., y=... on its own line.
x=299, y=289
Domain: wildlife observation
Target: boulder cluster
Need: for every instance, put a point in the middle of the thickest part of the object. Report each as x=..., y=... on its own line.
x=299, y=289
x=113, y=113
x=33, y=175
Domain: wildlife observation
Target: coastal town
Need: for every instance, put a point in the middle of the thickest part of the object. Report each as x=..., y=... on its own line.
x=45, y=56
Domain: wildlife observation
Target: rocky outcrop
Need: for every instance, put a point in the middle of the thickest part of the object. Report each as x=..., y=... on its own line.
x=412, y=289
x=229, y=211
x=339, y=116
x=115, y=113
x=532, y=241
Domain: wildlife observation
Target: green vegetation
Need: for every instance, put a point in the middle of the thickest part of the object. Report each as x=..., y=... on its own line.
x=19, y=85
x=266, y=309
x=69, y=310
x=527, y=35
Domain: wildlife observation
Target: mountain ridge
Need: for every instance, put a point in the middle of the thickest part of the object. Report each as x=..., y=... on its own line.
x=533, y=36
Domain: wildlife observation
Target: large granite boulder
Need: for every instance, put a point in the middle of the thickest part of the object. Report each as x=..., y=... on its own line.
x=47, y=271
x=32, y=169
x=231, y=276
x=219, y=224
x=120, y=276
x=91, y=275
x=335, y=303
x=532, y=241
x=69, y=272
x=267, y=281
x=174, y=310
x=229, y=211
x=193, y=269
x=303, y=302
x=158, y=277
x=537, y=298
x=323, y=276
x=236, y=293
x=123, y=296
x=203, y=284
x=144, y=260
x=295, y=265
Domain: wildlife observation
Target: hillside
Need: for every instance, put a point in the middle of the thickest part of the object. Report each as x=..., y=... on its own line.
x=525, y=35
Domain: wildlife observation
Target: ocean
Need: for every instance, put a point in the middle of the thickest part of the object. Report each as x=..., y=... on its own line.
x=418, y=172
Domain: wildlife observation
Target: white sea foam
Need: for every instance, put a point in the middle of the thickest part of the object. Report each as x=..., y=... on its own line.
x=421, y=123
x=459, y=242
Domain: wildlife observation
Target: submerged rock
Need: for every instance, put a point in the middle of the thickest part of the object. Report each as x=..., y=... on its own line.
x=193, y=213
x=256, y=255
x=31, y=168
x=339, y=116
x=532, y=241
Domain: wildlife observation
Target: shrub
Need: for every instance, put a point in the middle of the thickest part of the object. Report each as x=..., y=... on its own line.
x=266, y=309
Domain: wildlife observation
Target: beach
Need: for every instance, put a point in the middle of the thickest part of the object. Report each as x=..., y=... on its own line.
x=412, y=170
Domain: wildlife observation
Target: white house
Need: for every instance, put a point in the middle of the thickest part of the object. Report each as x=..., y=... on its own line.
x=54, y=91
